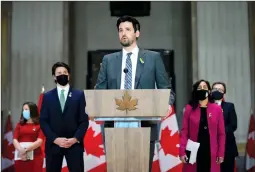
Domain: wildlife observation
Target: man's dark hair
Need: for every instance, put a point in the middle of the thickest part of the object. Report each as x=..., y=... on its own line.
x=130, y=19
x=221, y=83
x=59, y=64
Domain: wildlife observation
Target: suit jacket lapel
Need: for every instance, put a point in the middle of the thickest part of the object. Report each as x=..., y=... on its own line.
x=118, y=66
x=69, y=96
x=55, y=94
x=223, y=107
x=140, y=65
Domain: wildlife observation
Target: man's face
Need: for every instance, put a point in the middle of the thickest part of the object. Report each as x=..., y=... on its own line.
x=127, y=34
x=61, y=71
x=219, y=87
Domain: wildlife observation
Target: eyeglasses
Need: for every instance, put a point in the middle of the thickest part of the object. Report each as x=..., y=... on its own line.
x=218, y=89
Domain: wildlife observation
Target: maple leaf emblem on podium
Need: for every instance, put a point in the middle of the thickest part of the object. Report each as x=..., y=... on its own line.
x=126, y=103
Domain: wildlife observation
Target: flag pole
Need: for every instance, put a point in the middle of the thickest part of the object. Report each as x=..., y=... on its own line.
x=43, y=88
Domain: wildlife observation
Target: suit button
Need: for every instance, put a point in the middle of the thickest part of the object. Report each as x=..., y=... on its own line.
x=205, y=127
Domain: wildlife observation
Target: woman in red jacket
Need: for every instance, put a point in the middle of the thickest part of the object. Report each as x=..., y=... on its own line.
x=28, y=130
x=203, y=122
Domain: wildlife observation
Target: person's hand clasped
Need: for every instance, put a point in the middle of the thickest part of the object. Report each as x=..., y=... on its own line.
x=61, y=142
x=64, y=142
x=70, y=142
x=219, y=160
x=22, y=151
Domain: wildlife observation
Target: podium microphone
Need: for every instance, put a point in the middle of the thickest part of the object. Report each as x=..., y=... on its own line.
x=125, y=70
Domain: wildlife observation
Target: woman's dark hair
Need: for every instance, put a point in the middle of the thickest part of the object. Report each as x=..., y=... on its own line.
x=194, y=101
x=33, y=113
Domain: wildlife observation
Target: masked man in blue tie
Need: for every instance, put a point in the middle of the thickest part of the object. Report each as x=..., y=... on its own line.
x=64, y=122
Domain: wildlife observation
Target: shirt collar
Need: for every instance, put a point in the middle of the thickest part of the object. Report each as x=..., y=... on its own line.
x=66, y=88
x=134, y=51
x=218, y=102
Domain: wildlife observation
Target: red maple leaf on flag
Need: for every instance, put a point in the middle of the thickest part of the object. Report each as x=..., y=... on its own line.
x=8, y=150
x=92, y=144
x=169, y=143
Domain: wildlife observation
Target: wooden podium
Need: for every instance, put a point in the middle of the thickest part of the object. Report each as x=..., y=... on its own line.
x=127, y=149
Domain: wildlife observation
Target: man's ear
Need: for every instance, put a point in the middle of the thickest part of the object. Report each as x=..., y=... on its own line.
x=137, y=34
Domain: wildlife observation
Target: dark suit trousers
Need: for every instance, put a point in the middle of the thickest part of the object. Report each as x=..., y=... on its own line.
x=228, y=164
x=74, y=159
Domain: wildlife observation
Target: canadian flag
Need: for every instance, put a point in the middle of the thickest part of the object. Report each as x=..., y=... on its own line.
x=155, y=163
x=168, y=146
x=250, y=147
x=94, y=154
x=7, y=157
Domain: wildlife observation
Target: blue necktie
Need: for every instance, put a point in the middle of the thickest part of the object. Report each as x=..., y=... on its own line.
x=128, y=76
x=128, y=86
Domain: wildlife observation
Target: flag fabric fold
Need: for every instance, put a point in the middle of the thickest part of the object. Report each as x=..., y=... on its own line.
x=94, y=153
x=250, y=146
x=168, y=146
x=7, y=158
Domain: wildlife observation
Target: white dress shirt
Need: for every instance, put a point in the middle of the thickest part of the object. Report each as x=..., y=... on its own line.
x=134, y=57
x=66, y=88
x=218, y=102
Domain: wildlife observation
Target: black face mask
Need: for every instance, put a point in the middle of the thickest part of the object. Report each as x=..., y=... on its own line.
x=62, y=79
x=216, y=95
x=201, y=94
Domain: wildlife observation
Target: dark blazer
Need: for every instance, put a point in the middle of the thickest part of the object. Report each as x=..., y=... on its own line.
x=230, y=120
x=150, y=70
x=72, y=122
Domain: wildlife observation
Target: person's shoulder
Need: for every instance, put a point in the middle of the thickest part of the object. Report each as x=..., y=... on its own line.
x=152, y=53
x=18, y=125
x=77, y=91
x=187, y=107
x=47, y=93
x=214, y=106
x=229, y=103
x=111, y=55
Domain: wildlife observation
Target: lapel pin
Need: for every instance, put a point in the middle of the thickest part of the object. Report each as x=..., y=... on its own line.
x=70, y=94
x=210, y=114
x=141, y=60
x=34, y=129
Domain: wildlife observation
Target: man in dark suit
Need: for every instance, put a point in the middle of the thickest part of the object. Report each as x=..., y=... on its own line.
x=230, y=118
x=134, y=68
x=64, y=122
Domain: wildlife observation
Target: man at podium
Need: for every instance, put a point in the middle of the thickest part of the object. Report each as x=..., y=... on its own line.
x=134, y=68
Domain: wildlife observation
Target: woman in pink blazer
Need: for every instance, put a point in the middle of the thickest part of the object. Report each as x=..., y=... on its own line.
x=203, y=122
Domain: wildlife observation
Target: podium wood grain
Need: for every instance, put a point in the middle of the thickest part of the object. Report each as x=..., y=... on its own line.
x=127, y=149
x=151, y=103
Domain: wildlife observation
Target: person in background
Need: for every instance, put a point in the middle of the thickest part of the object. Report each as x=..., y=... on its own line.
x=64, y=122
x=28, y=130
x=203, y=122
x=230, y=118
